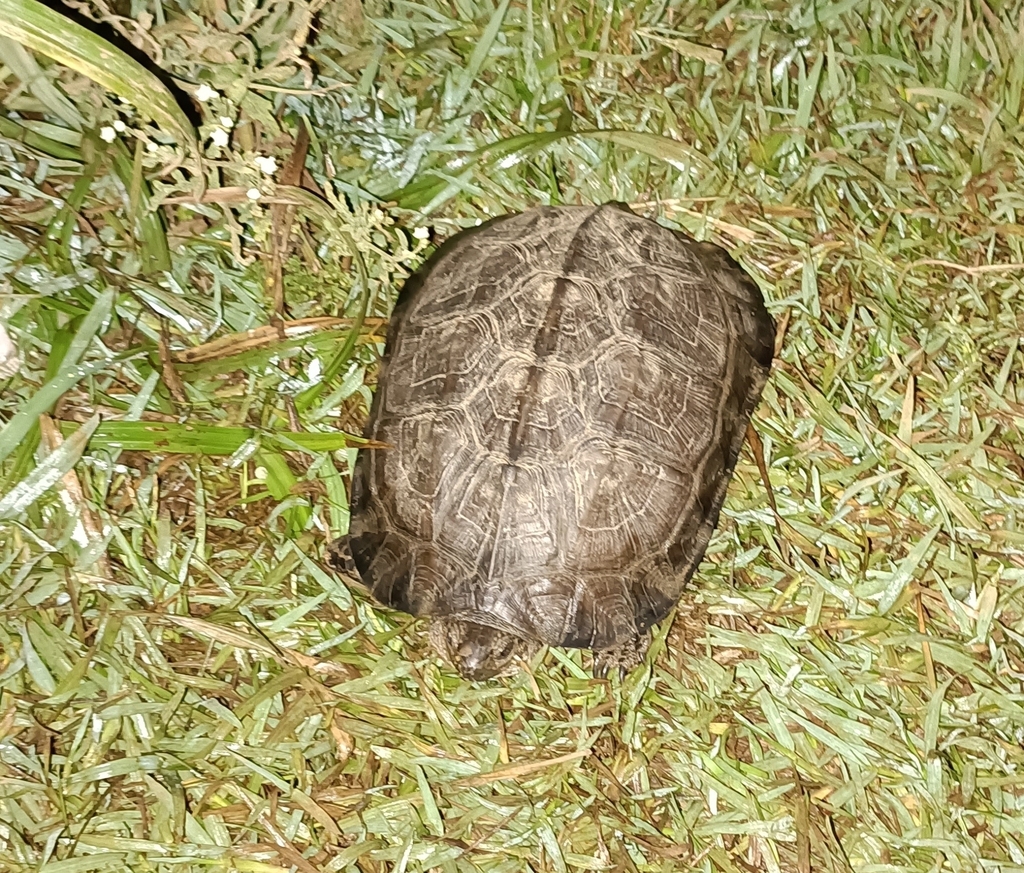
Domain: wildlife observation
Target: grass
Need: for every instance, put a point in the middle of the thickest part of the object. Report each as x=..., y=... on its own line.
x=183, y=686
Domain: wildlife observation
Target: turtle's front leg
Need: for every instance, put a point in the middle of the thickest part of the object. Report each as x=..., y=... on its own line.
x=338, y=556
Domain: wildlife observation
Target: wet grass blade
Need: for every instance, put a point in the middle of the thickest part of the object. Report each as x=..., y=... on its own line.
x=48, y=473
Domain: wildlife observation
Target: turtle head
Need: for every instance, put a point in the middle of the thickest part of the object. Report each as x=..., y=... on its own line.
x=476, y=650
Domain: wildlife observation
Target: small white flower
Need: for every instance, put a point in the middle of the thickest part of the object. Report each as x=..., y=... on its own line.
x=204, y=92
x=259, y=473
x=219, y=137
x=421, y=233
x=151, y=147
x=253, y=194
x=120, y=126
x=227, y=121
x=108, y=134
x=267, y=165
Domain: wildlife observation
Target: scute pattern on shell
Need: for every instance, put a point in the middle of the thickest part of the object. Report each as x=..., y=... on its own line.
x=566, y=392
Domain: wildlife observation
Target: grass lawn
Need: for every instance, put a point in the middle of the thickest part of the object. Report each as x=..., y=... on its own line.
x=206, y=208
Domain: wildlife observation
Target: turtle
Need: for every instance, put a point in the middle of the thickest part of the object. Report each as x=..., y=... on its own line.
x=563, y=395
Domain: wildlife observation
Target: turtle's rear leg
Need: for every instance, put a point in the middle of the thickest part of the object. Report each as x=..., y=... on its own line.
x=622, y=658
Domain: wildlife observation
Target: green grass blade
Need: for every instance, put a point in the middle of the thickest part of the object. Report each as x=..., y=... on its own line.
x=24, y=65
x=48, y=473
x=205, y=439
x=69, y=374
x=455, y=96
x=48, y=32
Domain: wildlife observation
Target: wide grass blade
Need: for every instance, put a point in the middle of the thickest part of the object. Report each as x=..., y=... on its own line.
x=206, y=439
x=48, y=32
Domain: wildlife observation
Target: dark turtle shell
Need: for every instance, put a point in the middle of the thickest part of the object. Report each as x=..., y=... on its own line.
x=566, y=392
